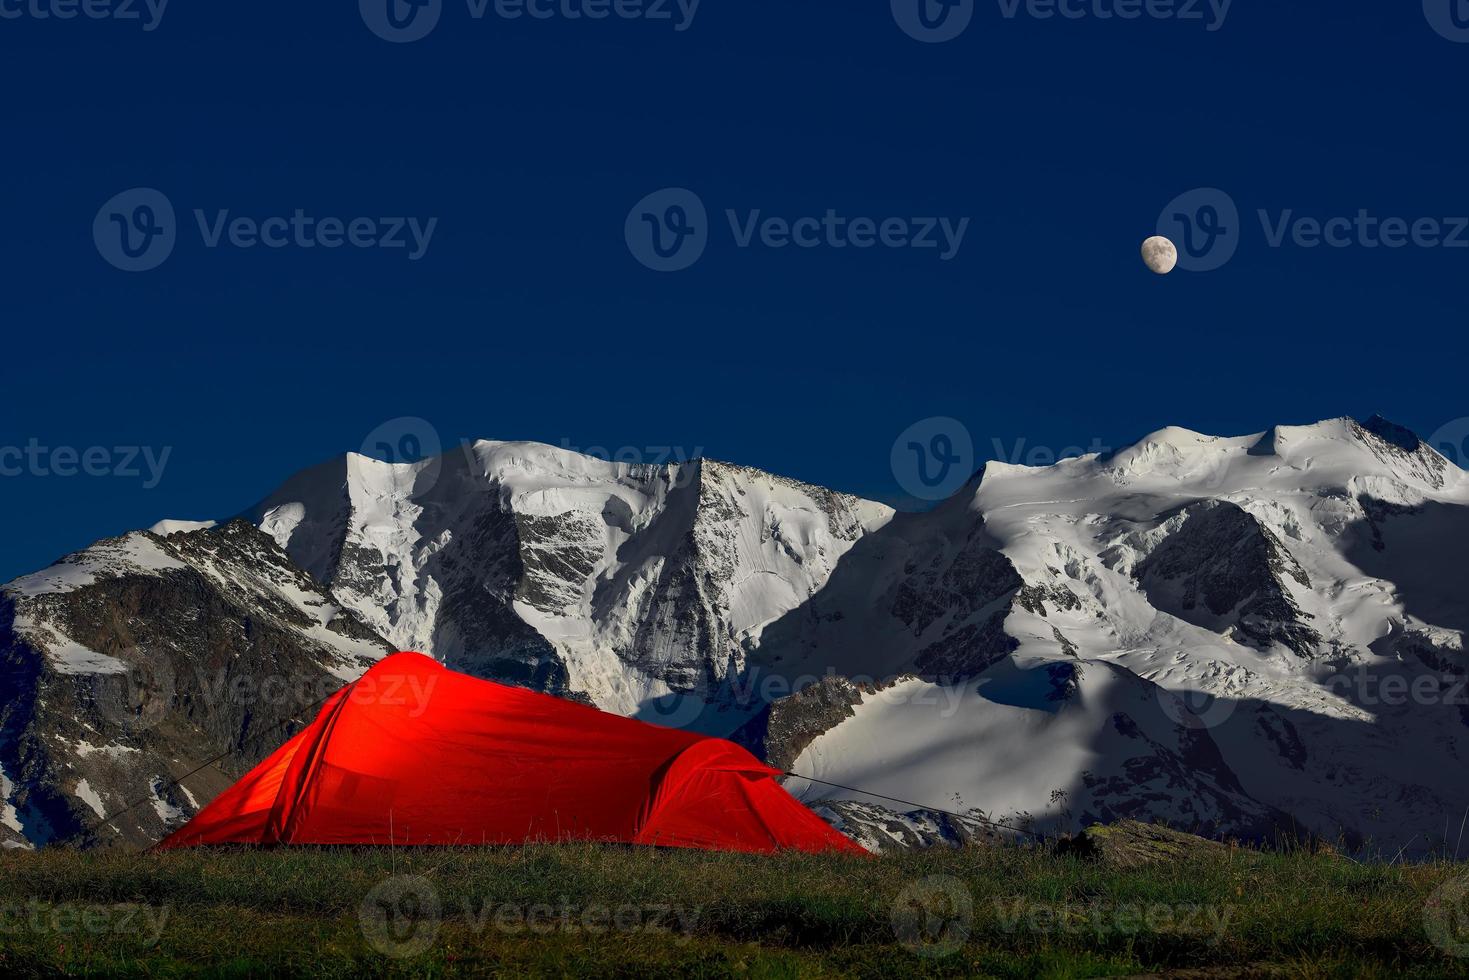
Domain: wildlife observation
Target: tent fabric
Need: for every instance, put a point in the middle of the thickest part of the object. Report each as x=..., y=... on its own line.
x=415, y=754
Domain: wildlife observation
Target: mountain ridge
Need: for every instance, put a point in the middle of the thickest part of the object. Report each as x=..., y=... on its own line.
x=1179, y=630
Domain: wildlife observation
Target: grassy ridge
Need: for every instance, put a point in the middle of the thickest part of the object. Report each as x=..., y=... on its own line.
x=615, y=911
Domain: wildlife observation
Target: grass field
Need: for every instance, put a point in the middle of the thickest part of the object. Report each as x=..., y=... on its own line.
x=613, y=911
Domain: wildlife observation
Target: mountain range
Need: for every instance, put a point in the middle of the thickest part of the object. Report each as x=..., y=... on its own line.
x=1241, y=636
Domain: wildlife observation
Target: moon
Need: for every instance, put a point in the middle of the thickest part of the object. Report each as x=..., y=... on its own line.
x=1160, y=255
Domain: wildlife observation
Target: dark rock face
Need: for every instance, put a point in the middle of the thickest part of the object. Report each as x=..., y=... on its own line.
x=968, y=650
x=120, y=684
x=1222, y=567
x=1403, y=449
x=1404, y=440
x=1277, y=729
x=483, y=572
x=1377, y=513
x=1065, y=682
x=1067, y=647
x=964, y=583
x=1037, y=598
x=783, y=729
x=682, y=636
x=970, y=592
x=1164, y=766
x=1188, y=781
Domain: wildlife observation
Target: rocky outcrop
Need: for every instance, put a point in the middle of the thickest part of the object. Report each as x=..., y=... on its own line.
x=140, y=660
x=783, y=728
x=1133, y=844
x=1220, y=567
x=883, y=830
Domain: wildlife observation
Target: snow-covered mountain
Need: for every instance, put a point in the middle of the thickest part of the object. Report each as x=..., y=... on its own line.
x=1276, y=618
x=1209, y=631
x=618, y=583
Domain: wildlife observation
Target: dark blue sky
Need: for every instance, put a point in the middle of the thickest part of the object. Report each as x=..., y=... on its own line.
x=528, y=317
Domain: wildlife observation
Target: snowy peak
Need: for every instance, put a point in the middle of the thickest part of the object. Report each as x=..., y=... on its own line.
x=1270, y=580
x=620, y=581
x=1403, y=438
x=137, y=553
x=1174, y=452
x=1329, y=453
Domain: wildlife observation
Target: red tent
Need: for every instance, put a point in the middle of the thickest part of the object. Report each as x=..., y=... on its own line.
x=412, y=753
